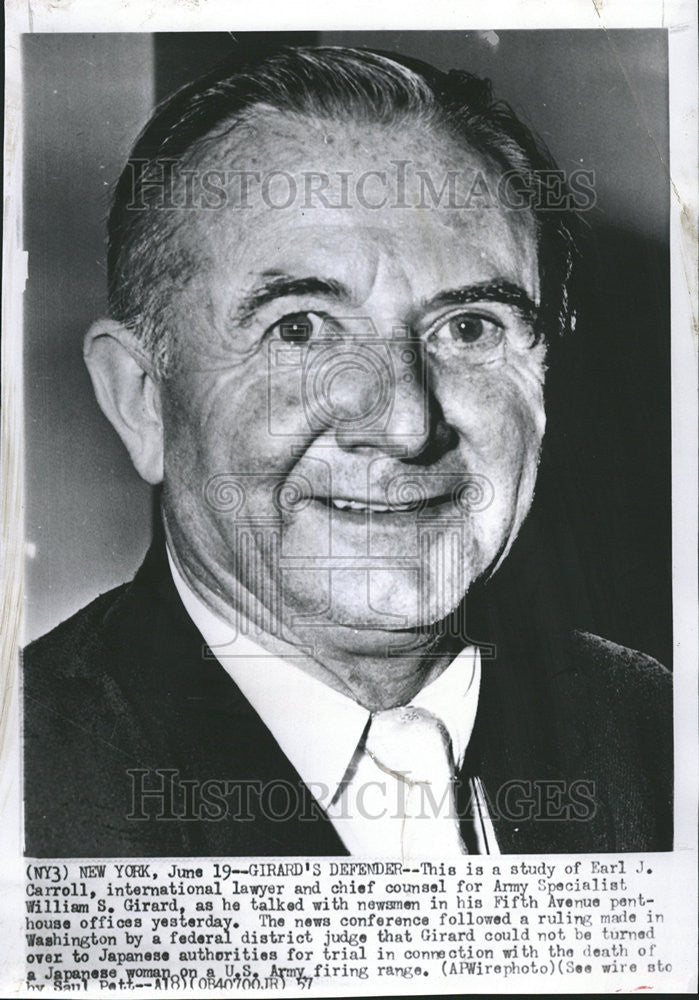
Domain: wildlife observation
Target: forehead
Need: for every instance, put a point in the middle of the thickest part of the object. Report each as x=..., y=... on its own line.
x=307, y=196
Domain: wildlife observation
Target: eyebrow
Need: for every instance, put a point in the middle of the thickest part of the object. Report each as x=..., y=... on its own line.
x=279, y=286
x=498, y=290
x=276, y=285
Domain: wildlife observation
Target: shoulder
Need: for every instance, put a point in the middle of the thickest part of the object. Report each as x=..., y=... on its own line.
x=628, y=721
x=67, y=646
x=621, y=694
x=106, y=695
x=620, y=674
x=66, y=672
x=79, y=732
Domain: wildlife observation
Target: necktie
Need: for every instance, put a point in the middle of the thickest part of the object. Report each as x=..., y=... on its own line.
x=412, y=746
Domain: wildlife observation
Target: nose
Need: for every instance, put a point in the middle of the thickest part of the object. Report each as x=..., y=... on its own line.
x=390, y=406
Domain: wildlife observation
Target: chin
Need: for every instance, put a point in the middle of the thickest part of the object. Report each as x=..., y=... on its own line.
x=376, y=602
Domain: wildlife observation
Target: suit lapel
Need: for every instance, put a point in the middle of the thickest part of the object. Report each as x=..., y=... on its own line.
x=529, y=747
x=244, y=796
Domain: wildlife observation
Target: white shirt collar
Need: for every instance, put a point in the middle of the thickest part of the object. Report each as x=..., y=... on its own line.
x=318, y=728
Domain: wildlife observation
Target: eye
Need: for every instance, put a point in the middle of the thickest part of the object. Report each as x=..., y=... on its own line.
x=473, y=332
x=296, y=328
x=468, y=329
x=302, y=327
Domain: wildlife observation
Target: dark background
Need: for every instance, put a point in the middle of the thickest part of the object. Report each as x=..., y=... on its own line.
x=596, y=547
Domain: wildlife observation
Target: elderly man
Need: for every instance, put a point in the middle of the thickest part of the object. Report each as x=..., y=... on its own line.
x=333, y=277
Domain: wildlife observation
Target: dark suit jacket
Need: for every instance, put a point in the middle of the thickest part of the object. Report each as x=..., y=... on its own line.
x=573, y=742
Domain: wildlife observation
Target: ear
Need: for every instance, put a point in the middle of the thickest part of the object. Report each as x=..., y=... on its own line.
x=127, y=393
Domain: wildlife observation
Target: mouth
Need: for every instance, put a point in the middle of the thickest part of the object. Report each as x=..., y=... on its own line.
x=368, y=506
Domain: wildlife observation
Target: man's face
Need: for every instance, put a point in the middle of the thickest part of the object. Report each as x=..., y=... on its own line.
x=353, y=426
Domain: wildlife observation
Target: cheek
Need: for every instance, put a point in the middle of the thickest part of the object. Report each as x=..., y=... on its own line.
x=499, y=417
x=212, y=420
x=233, y=422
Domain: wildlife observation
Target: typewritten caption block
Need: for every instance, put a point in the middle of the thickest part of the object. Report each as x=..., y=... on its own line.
x=340, y=926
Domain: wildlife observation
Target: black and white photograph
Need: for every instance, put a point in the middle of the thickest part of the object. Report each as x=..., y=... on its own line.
x=350, y=533
x=339, y=279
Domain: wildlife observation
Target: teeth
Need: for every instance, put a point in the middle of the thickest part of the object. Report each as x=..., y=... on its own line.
x=349, y=505
x=375, y=507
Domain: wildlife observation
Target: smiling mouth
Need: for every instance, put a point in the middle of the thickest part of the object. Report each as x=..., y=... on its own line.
x=369, y=506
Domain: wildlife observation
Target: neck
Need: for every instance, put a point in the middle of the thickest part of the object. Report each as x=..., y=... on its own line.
x=377, y=668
